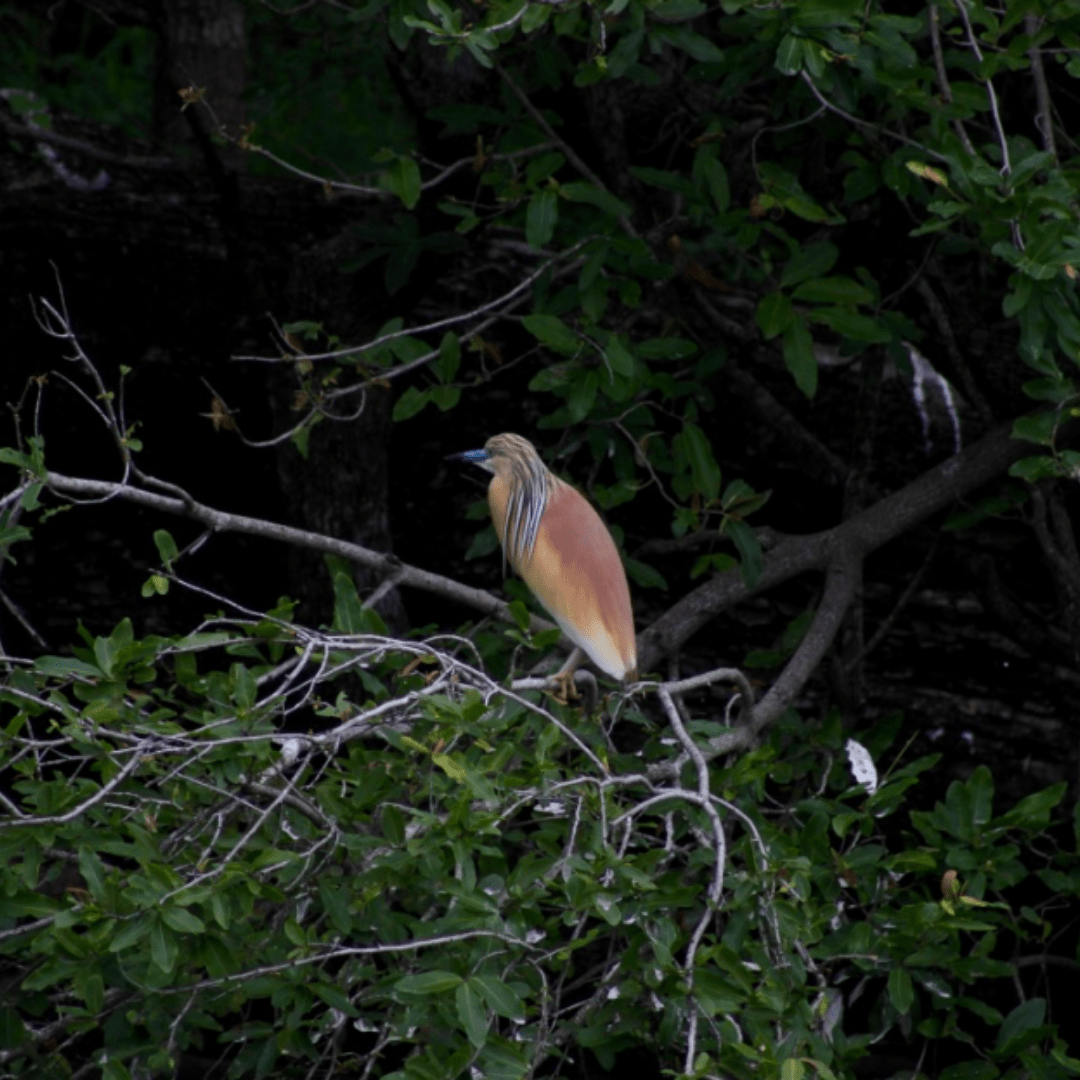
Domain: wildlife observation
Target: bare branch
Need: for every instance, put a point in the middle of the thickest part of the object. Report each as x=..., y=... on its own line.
x=83, y=149
x=441, y=324
x=858, y=122
x=220, y=521
x=571, y=154
x=1044, y=111
x=943, y=75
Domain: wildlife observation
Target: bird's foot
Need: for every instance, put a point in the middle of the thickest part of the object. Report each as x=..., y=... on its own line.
x=576, y=686
x=564, y=689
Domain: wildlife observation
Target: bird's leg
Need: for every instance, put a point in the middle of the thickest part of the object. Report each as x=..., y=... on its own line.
x=564, y=678
x=588, y=691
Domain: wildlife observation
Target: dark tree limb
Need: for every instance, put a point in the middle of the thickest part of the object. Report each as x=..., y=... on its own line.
x=841, y=585
x=220, y=521
x=887, y=519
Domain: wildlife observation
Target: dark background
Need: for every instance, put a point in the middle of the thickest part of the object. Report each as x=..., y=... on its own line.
x=176, y=268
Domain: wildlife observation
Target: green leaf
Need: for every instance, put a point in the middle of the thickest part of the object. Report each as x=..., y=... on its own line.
x=789, y=55
x=834, y=290
x=182, y=920
x=393, y=823
x=801, y=205
x=626, y=53
x=648, y=577
x=166, y=546
x=245, y=691
x=12, y=534
x=901, y=992
x=1033, y=811
x=716, y=993
x=716, y=563
x=703, y=466
x=155, y=585
x=541, y=217
x=1018, y=299
x=543, y=166
x=811, y=261
x=500, y=1059
x=477, y=44
x=1069, y=1065
x=402, y=178
x=552, y=331
x=774, y=314
x=678, y=10
x=1022, y=1026
x=500, y=998
x=28, y=903
x=336, y=902
x=449, y=356
x=520, y=614
x=981, y=786
x=410, y=403
x=584, y=192
x=199, y=642
x=428, y=982
x=666, y=348
x=694, y=45
x=1032, y=469
x=335, y=997
x=220, y=908
x=131, y=933
x=619, y=357
x=536, y=15
x=1037, y=428
x=450, y=766
x=749, y=548
x=659, y=178
x=471, y=1013
x=348, y=610
x=164, y=948
x=579, y=401
x=294, y=932
x=445, y=398
x=1057, y=391
x=29, y=499
x=8, y=456
x=710, y=171
x=12, y=1029
x=483, y=543
x=799, y=356
x=105, y=655
x=861, y=328
x=93, y=871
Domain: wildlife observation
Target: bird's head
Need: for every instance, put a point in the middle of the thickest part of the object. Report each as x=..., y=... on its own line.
x=507, y=456
x=501, y=455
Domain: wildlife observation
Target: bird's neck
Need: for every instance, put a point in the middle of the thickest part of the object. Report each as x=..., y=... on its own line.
x=527, y=499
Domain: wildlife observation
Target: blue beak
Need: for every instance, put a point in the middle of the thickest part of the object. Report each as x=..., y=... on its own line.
x=476, y=456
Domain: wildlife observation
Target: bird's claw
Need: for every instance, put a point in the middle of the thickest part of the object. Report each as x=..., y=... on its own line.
x=565, y=689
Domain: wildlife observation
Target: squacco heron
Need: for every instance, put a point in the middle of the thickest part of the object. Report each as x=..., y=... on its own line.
x=558, y=545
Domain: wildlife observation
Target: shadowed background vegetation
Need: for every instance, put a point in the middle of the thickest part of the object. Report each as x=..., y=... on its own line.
x=787, y=289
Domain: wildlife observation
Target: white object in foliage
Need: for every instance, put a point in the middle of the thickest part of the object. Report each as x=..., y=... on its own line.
x=862, y=766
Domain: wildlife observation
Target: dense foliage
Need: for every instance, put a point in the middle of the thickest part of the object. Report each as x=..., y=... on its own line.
x=256, y=848
x=465, y=877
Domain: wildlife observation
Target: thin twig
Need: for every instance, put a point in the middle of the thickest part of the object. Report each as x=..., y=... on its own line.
x=1044, y=111
x=571, y=154
x=943, y=76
